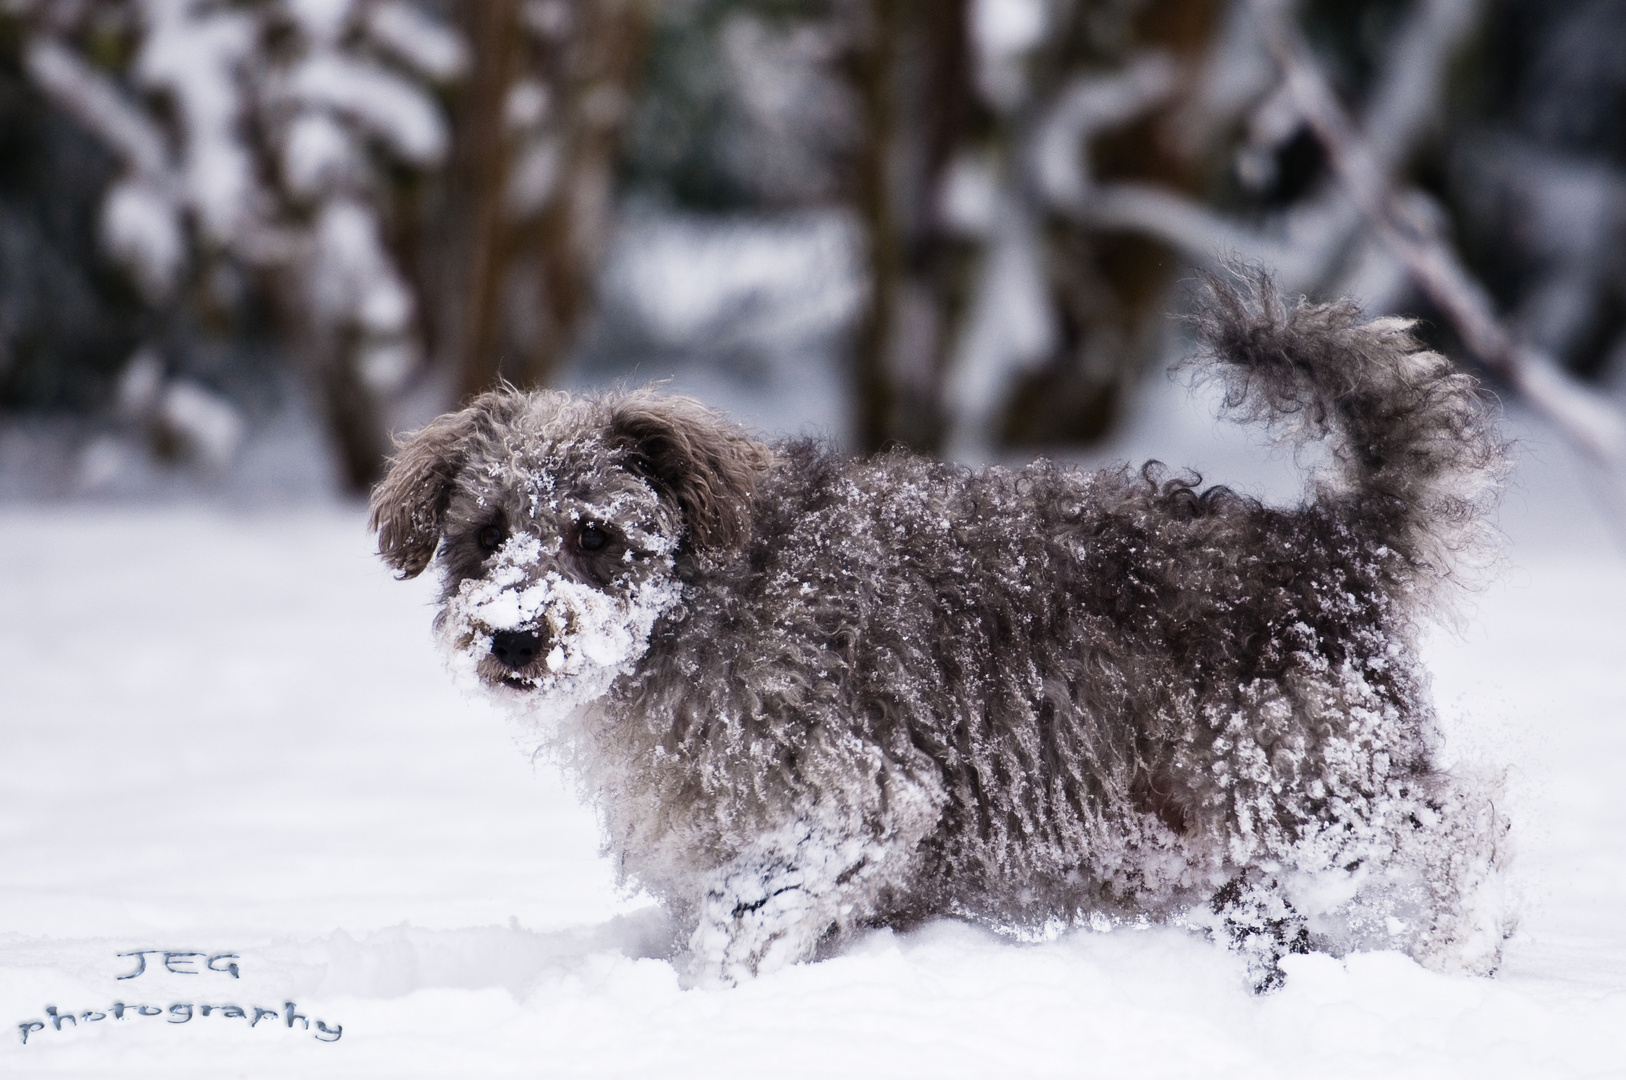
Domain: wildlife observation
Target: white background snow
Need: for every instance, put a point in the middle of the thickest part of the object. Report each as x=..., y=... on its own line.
x=228, y=732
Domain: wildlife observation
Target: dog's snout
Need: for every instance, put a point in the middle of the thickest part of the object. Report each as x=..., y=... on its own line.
x=516, y=648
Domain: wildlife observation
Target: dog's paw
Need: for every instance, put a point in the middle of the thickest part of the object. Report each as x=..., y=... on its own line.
x=753, y=924
x=1255, y=921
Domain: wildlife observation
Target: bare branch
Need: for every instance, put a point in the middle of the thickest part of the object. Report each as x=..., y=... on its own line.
x=1407, y=93
x=1201, y=234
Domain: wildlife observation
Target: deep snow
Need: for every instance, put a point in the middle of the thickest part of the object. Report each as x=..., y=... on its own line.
x=229, y=732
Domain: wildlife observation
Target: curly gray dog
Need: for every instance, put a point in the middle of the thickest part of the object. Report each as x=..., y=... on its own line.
x=811, y=694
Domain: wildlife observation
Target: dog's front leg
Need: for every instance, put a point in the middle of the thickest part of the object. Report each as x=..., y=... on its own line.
x=771, y=905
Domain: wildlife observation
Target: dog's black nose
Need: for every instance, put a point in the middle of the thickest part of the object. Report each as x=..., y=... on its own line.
x=516, y=648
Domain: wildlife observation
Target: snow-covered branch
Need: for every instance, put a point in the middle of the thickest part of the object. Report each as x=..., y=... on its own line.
x=1589, y=420
x=1086, y=107
x=97, y=102
x=1363, y=232
x=1308, y=242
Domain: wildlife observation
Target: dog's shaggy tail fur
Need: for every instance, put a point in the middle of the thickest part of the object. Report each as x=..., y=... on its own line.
x=1416, y=446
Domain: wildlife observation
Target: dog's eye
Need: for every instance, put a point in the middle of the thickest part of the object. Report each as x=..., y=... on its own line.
x=490, y=538
x=592, y=538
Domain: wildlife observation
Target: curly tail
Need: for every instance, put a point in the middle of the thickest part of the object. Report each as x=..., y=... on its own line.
x=1419, y=459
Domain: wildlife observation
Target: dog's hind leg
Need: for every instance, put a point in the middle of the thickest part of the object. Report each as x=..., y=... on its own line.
x=1441, y=895
x=1260, y=925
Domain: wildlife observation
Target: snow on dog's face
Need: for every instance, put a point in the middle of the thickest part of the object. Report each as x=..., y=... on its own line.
x=554, y=573
x=559, y=525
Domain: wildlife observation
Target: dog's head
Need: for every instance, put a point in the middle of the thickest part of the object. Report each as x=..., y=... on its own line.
x=559, y=524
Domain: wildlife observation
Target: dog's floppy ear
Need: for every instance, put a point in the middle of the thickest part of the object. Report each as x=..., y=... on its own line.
x=695, y=456
x=409, y=504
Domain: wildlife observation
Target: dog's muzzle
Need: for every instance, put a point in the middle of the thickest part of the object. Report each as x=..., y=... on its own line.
x=518, y=648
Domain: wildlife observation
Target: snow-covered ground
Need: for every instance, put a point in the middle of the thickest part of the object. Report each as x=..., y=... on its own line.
x=226, y=733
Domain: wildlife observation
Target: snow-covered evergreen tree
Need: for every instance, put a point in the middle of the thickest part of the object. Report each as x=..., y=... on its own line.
x=273, y=139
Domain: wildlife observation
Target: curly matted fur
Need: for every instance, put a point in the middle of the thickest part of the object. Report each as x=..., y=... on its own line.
x=811, y=694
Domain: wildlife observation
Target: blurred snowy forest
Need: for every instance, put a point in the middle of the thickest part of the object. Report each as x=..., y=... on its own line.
x=957, y=225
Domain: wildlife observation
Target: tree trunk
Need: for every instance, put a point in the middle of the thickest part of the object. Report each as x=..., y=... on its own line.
x=480, y=176
x=913, y=76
